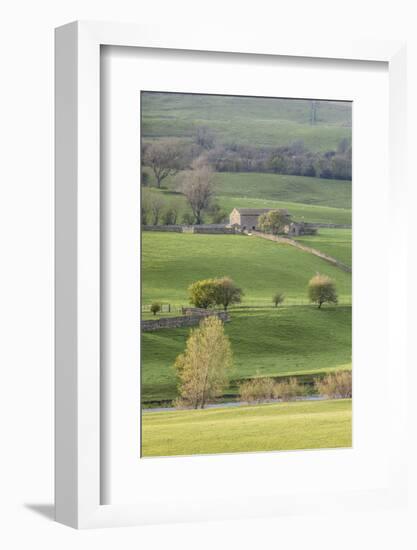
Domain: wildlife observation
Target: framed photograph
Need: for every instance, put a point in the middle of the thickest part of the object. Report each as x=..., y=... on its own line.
x=230, y=341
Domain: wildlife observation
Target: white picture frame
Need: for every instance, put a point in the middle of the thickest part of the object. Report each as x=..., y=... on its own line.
x=78, y=406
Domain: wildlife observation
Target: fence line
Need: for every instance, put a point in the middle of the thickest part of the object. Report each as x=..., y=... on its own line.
x=170, y=308
x=308, y=249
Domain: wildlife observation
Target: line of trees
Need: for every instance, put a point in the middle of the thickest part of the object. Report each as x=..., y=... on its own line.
x=203, y=369
x=215, y=292
x=166, y=157
x=157, y=209
x=208, y=293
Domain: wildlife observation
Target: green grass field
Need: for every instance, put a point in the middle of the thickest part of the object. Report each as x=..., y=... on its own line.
x=335, y=242
x=299, y=212
x=277, y=187
x=265, y=342
x=311, y=199
x=245, y=120
x=172, y=261
x=271, y=427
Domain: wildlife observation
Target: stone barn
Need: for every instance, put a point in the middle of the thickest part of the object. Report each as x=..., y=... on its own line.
x=301, y=228
x=246, y=218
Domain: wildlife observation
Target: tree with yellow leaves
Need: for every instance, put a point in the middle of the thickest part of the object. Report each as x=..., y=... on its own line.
x=203, y=369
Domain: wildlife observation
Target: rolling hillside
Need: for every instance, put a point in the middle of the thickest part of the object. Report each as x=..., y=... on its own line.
x=311, y=199
x=172, y=261
x=293, y=339
x=265, y=341
x=245, y=120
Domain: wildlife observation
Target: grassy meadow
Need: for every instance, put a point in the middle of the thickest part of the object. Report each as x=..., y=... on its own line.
x=309, y=199
x=270, y=427
x=245, y=120
x=172, y=261
x=290, y=340
x=267, y=341
x=334, y=242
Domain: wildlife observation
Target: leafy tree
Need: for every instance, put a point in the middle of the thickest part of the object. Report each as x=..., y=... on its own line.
x=322, y=289
x=164, y=157
x=274, y=221
x=217, y=215
x=226, y=292
x=203, y=369
x=144, y=215
x=170, y=215
x=203, y=293
x=156, y=206
x=278, y=298
x=155, y=308
x=187, y=218
x=197, y=187
x=152, y=206
x=144, y=178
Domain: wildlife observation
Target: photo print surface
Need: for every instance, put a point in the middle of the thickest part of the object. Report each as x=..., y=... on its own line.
x=246, y=277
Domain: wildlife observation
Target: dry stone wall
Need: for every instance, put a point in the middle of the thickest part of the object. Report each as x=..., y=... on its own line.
x=310, y=250
x=204, y=229
x=183, y=321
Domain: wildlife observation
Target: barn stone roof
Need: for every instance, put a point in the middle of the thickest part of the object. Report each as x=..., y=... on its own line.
x=258, y=211
x=252, y=211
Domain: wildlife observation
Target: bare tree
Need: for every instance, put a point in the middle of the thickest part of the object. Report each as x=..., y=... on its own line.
x=204, y=137
x=152, y=206
x=165, y=158
x=198, y=189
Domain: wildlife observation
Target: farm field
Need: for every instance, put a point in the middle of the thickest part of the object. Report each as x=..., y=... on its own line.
x=311, y=199
x=270, y=341
x=245, y=120
x=277, y=187
x=335, y=242
x=299, y=212
x=172, y=261
x=269, y=427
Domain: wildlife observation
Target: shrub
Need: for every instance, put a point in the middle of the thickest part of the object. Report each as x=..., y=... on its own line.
x=257, y=390
x=155, y=307
x=169, y=217
x=278, y=299
x=289, y=390
x=188, y=218
x=261, y=389
x=336, y=385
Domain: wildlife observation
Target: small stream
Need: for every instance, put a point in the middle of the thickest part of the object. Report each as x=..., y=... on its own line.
x=234, y=404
